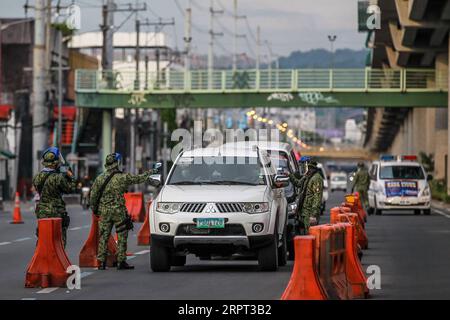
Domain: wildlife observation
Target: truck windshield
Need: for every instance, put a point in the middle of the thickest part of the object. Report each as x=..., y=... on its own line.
x=218, y=171
x=401, y=172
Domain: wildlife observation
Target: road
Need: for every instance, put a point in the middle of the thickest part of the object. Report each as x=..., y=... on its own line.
x=412, y=252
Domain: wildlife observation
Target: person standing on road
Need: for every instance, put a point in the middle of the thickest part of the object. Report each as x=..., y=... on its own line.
x=108, y=202
x=310, y=200
x=361, y=184
x=50, y=184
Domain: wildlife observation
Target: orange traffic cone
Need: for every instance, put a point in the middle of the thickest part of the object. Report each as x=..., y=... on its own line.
x=17, y=217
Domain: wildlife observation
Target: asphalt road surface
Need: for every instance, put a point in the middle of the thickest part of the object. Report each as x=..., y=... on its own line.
x=412, y=252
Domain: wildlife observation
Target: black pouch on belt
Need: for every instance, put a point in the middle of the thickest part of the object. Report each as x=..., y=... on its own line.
x=65, y=220
x=126, y=224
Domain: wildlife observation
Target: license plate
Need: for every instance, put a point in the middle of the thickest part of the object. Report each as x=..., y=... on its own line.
x=210, y=223
x=404, y=202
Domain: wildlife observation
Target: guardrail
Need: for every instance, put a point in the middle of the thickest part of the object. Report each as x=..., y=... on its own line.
x=280, y=80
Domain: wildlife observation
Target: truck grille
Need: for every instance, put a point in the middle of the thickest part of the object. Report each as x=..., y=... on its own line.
x=229, y=207
x=192, y=230
x=193, y=207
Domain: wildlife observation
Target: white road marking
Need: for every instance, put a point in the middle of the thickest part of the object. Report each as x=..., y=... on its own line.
x=4, y=243
x=28, y=299
x=143, y=252
x=85, y=274
x=442, y=213
x=47, y=290
x=22, y=239
x=81, y=227
x=131, y=257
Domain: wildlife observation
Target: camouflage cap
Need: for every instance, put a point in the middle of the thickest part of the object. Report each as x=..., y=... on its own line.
x=112, y=160
x=50, y=157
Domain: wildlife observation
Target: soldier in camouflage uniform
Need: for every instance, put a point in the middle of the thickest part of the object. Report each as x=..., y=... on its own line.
x=50, y=185
x=361, y=183
x=112, y=209
x=311, y=190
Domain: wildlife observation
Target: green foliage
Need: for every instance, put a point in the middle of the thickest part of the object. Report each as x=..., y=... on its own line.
x=321, y=58
x=66, y=31
x=427, y=161
x=439, y=191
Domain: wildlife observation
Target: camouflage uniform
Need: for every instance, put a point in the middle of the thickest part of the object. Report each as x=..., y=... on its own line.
x=112, y=209
x=311, y=190
x=361, y=184
x=51, y=203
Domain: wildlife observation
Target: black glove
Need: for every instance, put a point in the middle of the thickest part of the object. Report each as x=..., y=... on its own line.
x=126, y=224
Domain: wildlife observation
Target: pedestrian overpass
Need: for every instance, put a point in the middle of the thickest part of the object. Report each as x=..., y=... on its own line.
x=365, y=87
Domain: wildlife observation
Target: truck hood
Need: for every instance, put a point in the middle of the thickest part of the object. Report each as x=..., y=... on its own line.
x=212, y=193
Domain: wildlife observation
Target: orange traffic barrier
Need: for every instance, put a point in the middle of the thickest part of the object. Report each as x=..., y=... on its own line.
x=17, y=217
x=49, y=264
x=335, y=218
x=360, y=206
x=143, y=237
x=330, y=258
x=89, y=252
x=134, y=202
x=354, y=203
x=304, y=283
x=363, y=240
x=354, y=270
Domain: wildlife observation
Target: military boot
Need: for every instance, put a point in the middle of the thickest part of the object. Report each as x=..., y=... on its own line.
x=124, y=266
x=102, y=265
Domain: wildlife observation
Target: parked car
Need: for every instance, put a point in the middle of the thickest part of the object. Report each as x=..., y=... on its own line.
x=338, y=181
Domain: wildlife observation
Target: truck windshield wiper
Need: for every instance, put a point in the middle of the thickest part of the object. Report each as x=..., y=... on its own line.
x=231, y=182
x=184, y=183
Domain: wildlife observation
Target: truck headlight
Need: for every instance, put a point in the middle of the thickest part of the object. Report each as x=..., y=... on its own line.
x=255, y=207
x=426, y=192
x=168, y=207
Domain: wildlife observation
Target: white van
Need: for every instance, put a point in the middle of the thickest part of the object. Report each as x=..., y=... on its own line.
x=399, y=183
x=220, y=201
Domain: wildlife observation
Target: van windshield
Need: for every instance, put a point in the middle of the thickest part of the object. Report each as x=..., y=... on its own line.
x=402, y=172
x=218, y=171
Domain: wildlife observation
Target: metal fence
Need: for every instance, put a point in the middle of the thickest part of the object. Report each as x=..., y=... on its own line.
x=266, y=80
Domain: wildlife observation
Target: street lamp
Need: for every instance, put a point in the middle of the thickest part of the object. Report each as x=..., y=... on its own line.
x=332, y=39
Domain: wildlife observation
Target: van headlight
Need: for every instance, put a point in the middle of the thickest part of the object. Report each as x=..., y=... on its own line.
x=255, y=207
x=426, y=192
x=168, y=207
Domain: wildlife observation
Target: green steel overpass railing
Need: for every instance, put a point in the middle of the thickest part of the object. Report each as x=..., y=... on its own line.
x=281, y=80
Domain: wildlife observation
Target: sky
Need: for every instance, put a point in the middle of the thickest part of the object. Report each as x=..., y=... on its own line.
x=288, y=25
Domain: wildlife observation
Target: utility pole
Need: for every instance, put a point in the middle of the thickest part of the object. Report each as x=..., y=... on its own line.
x=332, y=39
x=236, y=35
x=258, y=47
x=107, y=66
x=40, y=112
x=212, y=35
x=159, y=25
x=187, y=40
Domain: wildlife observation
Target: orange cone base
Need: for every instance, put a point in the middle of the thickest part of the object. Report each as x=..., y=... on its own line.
x=354, y=270
x=88, y=254
x=304, y=283
x=48, y=266
x=143, y=237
